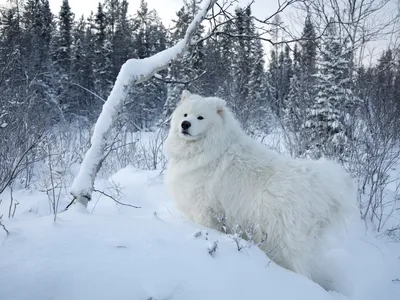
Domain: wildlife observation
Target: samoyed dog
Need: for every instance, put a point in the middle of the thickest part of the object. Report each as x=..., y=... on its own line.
x=215, y=169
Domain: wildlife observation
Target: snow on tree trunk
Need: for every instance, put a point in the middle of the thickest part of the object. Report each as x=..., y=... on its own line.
x=134, y=71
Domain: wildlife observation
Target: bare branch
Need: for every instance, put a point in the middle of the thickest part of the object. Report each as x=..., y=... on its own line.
x=16, y=168
x=4, y=227
x=111, y=197
x=165, y=80
x=89, y=91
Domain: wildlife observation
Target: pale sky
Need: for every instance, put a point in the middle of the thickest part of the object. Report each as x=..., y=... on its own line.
x=165, y=8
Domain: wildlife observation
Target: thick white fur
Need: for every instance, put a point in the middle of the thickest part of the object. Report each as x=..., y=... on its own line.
x=219, y=169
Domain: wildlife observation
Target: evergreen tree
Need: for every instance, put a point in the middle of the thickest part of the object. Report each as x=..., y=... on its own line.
x=87, y=105
x=242, y=63
x=191, y=65
x=326, y=118
x=12, y=75
x=62, y=57
x=257, y=86
x=176, y=71
x=308, y=48
x=37, y=24
x=396, y=93
x=280, y=74
x=224, y=47
x=113, y=13
x=297, y=98
x=248, y=85
x=123, y=39
x=147, y=98
x=149, y=32
x=37, y=28
x=302, y=90
x=273, y=83
x=385, y=77
x=63, y=40
x=25, y=77
x=385, y=99
x=11, y=36
x=102, y=63
x=287, y=72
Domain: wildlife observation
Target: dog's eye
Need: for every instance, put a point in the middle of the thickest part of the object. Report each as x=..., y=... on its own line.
x=200, y=118
x=185, y=115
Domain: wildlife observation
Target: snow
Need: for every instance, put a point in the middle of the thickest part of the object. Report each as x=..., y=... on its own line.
x=133, y=71
x=111, y=251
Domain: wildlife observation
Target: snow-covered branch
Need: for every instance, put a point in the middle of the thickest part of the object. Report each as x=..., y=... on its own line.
x=134, y=71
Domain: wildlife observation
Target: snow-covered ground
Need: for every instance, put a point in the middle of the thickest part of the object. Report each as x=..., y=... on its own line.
x=111, y=251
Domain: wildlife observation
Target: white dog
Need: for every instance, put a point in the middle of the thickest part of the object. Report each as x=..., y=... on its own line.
x=216, y=169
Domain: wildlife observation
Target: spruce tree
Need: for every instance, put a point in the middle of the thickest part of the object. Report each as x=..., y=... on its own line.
x=257, y=85
x=146, y=98
x=87, y=105
x=192, y=63
x=273, y=83
x=123, y=39
x=102, y=63
x=302, y=88
x=113, y=14
x=248, y=84
x=63, y=39
x=308, y=48
x=12, y=76
x=62, y=60
x=224, y=47
x=325, y=123
x=37, y=22
x=37, y=28
x=295, y=102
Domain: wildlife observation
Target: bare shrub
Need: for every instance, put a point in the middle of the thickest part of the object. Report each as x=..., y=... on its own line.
x=373, y=161
x=150, y=155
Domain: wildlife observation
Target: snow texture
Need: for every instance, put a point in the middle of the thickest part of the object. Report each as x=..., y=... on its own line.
x=133, y=71
x=118, y=252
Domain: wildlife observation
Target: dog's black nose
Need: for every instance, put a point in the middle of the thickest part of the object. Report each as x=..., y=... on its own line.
x=186, y=124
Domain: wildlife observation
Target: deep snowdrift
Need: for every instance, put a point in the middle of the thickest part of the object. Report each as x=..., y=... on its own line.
x=118, y=252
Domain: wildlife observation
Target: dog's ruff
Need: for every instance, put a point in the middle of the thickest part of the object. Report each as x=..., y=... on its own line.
x=215, y=168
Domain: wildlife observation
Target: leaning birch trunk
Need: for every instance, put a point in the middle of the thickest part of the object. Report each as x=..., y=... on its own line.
x=134, y=71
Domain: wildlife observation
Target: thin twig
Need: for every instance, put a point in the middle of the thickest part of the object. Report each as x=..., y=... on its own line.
x=4, y=227
x=111, y=197
x=165, y=80
x=16, y=170
x=89, y=91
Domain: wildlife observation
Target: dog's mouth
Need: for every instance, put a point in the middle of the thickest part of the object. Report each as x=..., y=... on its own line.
x=185, y=132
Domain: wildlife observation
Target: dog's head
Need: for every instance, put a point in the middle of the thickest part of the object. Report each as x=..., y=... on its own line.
x=196, y=116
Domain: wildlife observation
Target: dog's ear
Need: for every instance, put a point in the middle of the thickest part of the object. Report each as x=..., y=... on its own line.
x=185, y=95
x=220, y=105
